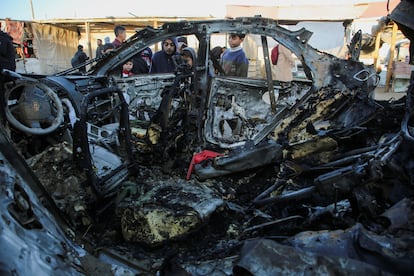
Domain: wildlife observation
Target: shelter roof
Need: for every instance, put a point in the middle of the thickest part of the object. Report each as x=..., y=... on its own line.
x=105, y=25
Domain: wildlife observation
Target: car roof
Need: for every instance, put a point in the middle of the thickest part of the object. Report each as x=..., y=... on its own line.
x=203, y=29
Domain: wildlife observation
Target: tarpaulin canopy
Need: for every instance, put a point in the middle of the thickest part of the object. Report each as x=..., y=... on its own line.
x=55, y=47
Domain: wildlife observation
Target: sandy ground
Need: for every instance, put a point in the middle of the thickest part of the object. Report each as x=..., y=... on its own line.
x=380, y=94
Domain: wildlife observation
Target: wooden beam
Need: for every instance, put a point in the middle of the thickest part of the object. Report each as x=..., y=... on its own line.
x=88, y=39
x=120, y=20
x=155, y=25
x=376, y=50
x=390, y=66
x=105, y=25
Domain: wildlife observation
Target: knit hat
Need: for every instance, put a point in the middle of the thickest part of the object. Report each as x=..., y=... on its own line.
x=147, y=52
x=182, y=39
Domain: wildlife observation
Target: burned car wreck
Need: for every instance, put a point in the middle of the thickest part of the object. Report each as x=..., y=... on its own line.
x=198, y=173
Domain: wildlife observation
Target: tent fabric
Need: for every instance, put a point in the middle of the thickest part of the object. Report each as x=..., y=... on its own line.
x=54, y=47
x=15, y=30
x=327, y=36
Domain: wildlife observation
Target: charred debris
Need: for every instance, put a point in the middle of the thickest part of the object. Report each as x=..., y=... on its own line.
x=321, y=185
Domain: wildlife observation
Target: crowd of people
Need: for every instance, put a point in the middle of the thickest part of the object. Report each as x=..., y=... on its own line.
x=231, y=61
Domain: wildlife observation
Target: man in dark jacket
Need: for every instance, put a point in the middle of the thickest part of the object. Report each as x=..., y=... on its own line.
x=99, y=48
x=78, y=58
x=7, y=52
x=162, y=61
x=108, y=46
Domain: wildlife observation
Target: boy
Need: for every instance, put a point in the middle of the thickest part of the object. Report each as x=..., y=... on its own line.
x=127, y=69
x=189, y=56
x=234, y=61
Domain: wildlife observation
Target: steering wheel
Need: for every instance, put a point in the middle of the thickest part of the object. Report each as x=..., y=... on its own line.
x=36, y=106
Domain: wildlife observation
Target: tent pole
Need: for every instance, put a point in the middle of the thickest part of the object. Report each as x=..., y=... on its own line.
x=376, y=51
x=88, y=38
x=32, y=9
x=155, y=25
x=391, y=59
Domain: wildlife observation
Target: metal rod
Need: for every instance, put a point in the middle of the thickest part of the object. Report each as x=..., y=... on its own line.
x=32, y=9
x=300, y=194
x=276, y=185
x=390, y=67
x=272, y=223
x=269, y=74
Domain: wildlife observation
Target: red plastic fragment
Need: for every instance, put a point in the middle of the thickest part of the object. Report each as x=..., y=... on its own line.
x=198, y=158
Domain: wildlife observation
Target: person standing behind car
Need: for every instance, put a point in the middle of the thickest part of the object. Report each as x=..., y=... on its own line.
x=108, y=46
x=127, y=69
x=189, y=56
x=120, y=36
x=282, y=68
x=181, y=44
x=7, y=52
x=99, y=49
x=79, y=58
x=146, y=55
x=216, y=54
x=234, y=61
x=142, y=61
x=162, y=61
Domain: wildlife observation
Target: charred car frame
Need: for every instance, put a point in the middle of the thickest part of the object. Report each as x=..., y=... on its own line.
x=94, y=166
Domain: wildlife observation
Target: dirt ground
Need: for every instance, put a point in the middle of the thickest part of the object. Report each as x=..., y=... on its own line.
x=380, y=94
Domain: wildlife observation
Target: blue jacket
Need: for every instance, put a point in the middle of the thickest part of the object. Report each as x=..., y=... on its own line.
x=235, y=62
x=163, y=63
